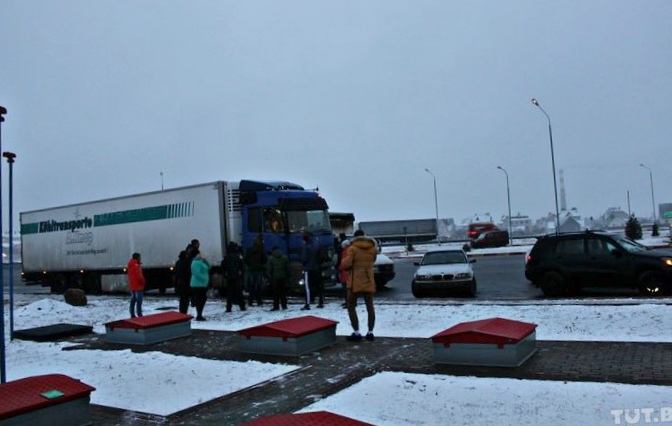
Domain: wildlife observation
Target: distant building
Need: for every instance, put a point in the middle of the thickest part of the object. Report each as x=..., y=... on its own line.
x=614, y=217
x=520, y=224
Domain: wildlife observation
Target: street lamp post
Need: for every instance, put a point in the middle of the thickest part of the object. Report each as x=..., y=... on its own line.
x=10, y=156
x=436, y=207
x=3, y=376
x=653, y=200
x=508, y=199
x=555, y=184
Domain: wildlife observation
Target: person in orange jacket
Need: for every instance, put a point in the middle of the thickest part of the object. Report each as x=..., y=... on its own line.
x=136, y=284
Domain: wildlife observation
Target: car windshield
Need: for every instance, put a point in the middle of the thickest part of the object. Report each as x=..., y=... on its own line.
x=443, y=257
x=630, y=246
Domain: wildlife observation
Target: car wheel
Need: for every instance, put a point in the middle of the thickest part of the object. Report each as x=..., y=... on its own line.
x=472, y=288
x=553, y=284
x=652, y=283
x=416, y=291
x=380, y=283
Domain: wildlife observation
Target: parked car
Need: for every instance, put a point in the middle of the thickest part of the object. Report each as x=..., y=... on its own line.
x=477, y=228
x=383, y=270
x=443, y=271
x=564, y=263
x=491, y=239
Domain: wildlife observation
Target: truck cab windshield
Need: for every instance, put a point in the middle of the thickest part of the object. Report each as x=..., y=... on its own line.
x=308, y=221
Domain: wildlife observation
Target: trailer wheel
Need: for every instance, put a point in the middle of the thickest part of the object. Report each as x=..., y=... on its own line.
x=59, y=284
x=92, y=284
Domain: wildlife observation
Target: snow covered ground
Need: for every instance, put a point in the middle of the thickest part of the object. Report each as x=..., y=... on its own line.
x=163, y=384
x=125, y=380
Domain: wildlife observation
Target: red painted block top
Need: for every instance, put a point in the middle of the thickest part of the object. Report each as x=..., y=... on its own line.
x=149, y=321
x=289, y=328
x=25, y=395
x=317, y=418
x=499, y=331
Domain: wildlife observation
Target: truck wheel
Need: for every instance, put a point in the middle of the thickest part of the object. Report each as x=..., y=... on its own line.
x=652, y=283
x=76, y=281
x=92, y=284
x=59, y=284
x=553, y=284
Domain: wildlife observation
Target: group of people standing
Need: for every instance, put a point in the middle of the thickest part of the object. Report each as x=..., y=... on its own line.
x=192, y=277
x=250, y=268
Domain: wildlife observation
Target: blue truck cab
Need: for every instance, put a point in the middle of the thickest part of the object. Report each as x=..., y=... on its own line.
x=282, y=213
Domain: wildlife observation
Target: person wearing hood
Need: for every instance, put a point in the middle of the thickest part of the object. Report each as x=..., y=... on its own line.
x=278, y=273
x=359, y=259
x=200, y=280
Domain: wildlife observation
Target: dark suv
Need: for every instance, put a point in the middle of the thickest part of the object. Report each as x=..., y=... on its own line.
x=562, y=264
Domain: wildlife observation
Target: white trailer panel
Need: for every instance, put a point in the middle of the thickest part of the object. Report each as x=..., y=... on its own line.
x=103, y=234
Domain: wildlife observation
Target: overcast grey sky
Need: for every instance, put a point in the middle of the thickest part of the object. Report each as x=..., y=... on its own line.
x=355, y=97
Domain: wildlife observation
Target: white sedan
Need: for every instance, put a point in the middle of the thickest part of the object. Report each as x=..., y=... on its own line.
x=443, y=271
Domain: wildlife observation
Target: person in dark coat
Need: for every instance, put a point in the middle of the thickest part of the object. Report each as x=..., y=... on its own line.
x=255, y=266
x=278, y=273
x=312, y=265
x=183, y=280
x=232, y=270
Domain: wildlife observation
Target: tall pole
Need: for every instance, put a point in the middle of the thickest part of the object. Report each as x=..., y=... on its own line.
x=555, y=183
x=653, y=200
x=3, y=376
x=436, y=207
x=508, y=199
x=161, y=173
x=10, y=156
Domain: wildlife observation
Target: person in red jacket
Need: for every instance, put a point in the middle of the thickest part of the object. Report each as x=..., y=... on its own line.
x=136, y=283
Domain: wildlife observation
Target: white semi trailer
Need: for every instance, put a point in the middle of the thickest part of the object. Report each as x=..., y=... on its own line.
x=88, y=245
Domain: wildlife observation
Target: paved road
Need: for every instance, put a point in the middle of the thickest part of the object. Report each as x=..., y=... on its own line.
x=498, y=277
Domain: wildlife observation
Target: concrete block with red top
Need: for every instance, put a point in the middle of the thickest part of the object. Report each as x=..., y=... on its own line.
x=317, y=418
x=48, y=400
x=497, y=342
x=149, y=329
x=290, y=337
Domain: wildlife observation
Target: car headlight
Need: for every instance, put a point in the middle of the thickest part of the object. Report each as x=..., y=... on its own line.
x=422, y=277
x=667, y=261
x=463, y=275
